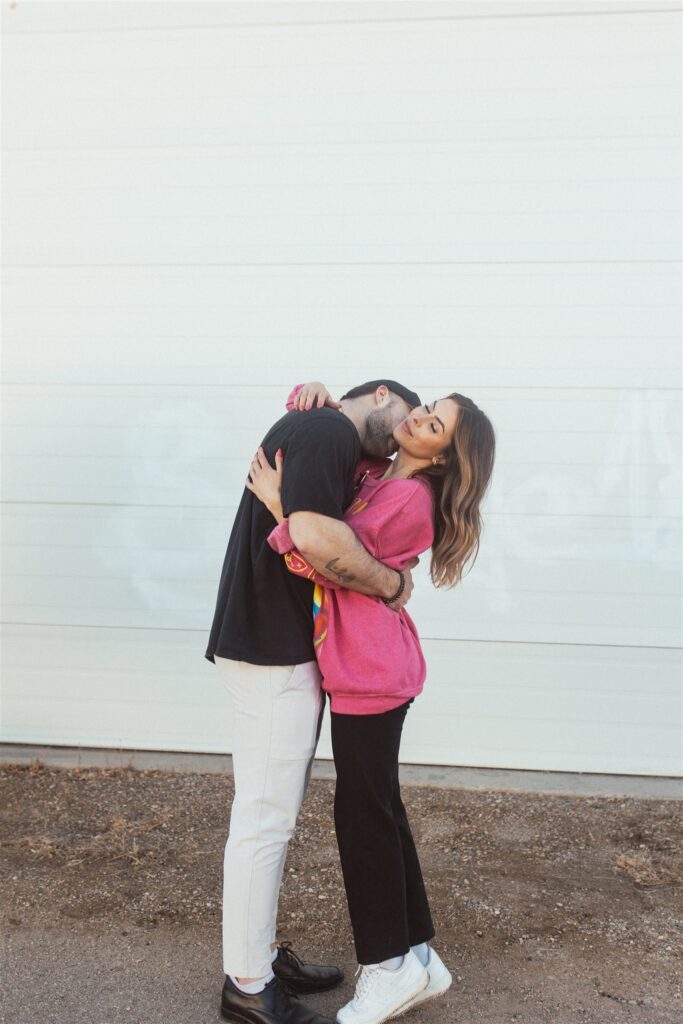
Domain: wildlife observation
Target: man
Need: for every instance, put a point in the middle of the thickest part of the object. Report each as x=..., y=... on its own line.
x=262, y=641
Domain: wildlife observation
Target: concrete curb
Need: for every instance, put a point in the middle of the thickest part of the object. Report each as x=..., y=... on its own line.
x=510, y=780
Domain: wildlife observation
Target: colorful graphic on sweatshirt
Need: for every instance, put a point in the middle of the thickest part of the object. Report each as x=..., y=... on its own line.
x=300, y=567
x=321, y=616
x=356, y=507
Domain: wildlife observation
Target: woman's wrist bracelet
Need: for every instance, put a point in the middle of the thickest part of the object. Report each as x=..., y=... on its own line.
x=401, y=588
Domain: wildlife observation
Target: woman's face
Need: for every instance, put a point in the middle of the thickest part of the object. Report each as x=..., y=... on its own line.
x=428, y=430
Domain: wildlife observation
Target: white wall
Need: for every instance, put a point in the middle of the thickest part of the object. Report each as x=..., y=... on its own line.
x=205, y=203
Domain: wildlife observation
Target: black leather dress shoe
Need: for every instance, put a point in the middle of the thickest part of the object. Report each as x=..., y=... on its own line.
x=301, y=977
x=272, y=1006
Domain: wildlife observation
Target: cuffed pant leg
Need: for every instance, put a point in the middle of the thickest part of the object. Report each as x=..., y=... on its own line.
x=277, y=715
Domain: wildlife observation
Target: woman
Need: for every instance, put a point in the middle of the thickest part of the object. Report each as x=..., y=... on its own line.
x=372, y=666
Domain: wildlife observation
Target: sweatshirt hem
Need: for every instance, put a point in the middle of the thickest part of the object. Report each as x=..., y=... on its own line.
x=357, y=704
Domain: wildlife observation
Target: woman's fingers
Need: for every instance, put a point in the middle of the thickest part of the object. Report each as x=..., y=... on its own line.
x=259, y=464
x=255, y=468
x=314, y=394
x=308, y=398
x=300, y=400
x=323, y=397
x=259, y=460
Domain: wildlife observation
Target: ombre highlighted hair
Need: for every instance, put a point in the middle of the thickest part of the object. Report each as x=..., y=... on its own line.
x=459, y=485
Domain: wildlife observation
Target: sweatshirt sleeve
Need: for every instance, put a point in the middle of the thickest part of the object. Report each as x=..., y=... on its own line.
x=280, y=541
x=409, y=531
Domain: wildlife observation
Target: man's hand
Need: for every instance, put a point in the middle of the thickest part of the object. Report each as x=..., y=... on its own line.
x=313, y=394
x=402, y=601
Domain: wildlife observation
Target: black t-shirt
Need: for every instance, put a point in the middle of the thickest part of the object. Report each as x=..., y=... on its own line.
x=264, y=614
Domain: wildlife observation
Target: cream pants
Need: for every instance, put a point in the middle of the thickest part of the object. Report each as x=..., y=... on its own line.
x=278, y=712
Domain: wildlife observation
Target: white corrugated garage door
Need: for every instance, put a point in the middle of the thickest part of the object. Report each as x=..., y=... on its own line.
x=208, y=202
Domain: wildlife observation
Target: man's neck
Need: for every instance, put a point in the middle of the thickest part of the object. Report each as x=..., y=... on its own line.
x=354, y=412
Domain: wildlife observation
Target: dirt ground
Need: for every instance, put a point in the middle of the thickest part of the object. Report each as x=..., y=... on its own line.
x=556, y=909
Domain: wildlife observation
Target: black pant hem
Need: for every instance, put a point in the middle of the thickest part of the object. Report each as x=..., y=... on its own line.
x=392, y=951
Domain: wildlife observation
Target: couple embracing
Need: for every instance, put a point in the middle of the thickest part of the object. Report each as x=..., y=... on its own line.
x=311, y=602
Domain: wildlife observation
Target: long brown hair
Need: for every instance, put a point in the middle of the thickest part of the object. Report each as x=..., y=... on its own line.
x=459, y=486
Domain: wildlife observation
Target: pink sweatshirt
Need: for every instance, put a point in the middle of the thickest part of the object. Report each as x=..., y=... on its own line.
x=369, y=655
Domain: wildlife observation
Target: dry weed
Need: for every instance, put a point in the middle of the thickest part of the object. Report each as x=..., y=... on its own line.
x=41, y=847
x=645, y=872
x=118, y=841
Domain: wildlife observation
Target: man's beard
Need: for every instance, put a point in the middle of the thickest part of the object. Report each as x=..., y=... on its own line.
x=378, y=438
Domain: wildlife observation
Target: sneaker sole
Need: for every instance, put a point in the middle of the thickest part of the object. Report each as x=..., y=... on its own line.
x=420, y=1000
x=401, y=1009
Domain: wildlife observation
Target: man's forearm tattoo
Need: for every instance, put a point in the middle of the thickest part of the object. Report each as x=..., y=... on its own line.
x=339, y=571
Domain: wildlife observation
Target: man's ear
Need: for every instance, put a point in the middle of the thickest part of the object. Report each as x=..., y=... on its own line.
x=381, y=395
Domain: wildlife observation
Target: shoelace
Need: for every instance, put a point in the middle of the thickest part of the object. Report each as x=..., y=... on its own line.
x=283, y=995
x=367, y=981
x=288, y=953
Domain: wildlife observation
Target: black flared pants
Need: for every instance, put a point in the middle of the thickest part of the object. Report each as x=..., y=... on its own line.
x=384, y=887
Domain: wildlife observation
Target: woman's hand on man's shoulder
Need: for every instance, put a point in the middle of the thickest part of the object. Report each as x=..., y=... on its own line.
x=313, y=395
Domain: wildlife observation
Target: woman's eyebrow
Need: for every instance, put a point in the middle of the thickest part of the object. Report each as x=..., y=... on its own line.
x=434, y=414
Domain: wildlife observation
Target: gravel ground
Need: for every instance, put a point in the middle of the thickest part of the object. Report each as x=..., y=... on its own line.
x=552, y=909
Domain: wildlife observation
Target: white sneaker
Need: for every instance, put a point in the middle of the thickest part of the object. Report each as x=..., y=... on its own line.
x=381, y=994
x=440, y=981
